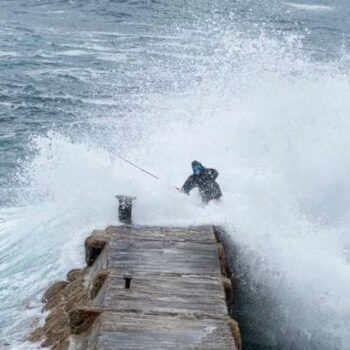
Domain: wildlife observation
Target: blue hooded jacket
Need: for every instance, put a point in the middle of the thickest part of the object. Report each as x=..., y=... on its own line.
x=204, y=179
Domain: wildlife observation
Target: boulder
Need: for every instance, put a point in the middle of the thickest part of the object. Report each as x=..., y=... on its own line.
x=56, y=326
x=99, y=280
x=236, y=333
x=226, y=282
x=75, y=274
x=53, y=296
x=81, y=319
x=37, y=335
x=93, y=248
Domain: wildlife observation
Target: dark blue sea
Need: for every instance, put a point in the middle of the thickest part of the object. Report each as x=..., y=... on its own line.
x=259, y=90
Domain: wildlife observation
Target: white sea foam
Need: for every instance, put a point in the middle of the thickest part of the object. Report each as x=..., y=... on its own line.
x=309, y=7
x=279, y=140
x=75, y=52
x=9, y=54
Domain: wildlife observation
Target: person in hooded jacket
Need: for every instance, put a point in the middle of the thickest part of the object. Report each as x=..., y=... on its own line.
x=204, y=179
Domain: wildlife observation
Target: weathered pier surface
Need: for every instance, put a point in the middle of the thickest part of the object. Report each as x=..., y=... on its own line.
x=153, y=288
x=176, y=298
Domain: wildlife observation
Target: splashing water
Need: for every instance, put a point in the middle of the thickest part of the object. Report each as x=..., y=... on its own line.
x=252, y=104
x=308, y=7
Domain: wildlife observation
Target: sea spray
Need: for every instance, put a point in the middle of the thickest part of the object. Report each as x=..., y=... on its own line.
x=244, y=98
x=275, y=124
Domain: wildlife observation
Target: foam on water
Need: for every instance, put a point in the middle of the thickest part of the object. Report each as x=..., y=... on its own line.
x=273, y=122
x=309, y=7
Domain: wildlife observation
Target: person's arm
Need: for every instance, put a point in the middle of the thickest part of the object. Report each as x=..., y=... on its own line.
x=189, y=185
x=213, y=174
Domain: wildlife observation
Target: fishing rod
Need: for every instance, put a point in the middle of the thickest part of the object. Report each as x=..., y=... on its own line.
x=137, y=167
x=144, y=171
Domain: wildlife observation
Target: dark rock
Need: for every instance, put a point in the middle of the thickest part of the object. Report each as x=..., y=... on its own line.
x=56, y=326
x=226, y=282
x=53, y=296
x=75, y=274
x=76, y=294
x=99, y=280
x=62, y=345
x=81, y=319
x=236, y=333
x=37, y=335
x=93, y=247
x=225, y=270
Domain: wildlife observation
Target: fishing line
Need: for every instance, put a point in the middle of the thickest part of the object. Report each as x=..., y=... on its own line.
x=144, y=170
x=139, y=168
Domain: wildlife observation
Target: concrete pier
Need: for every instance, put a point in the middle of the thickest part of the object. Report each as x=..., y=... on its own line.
x=153, y=288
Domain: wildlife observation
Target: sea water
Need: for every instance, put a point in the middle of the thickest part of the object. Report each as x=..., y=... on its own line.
x=258, y=90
